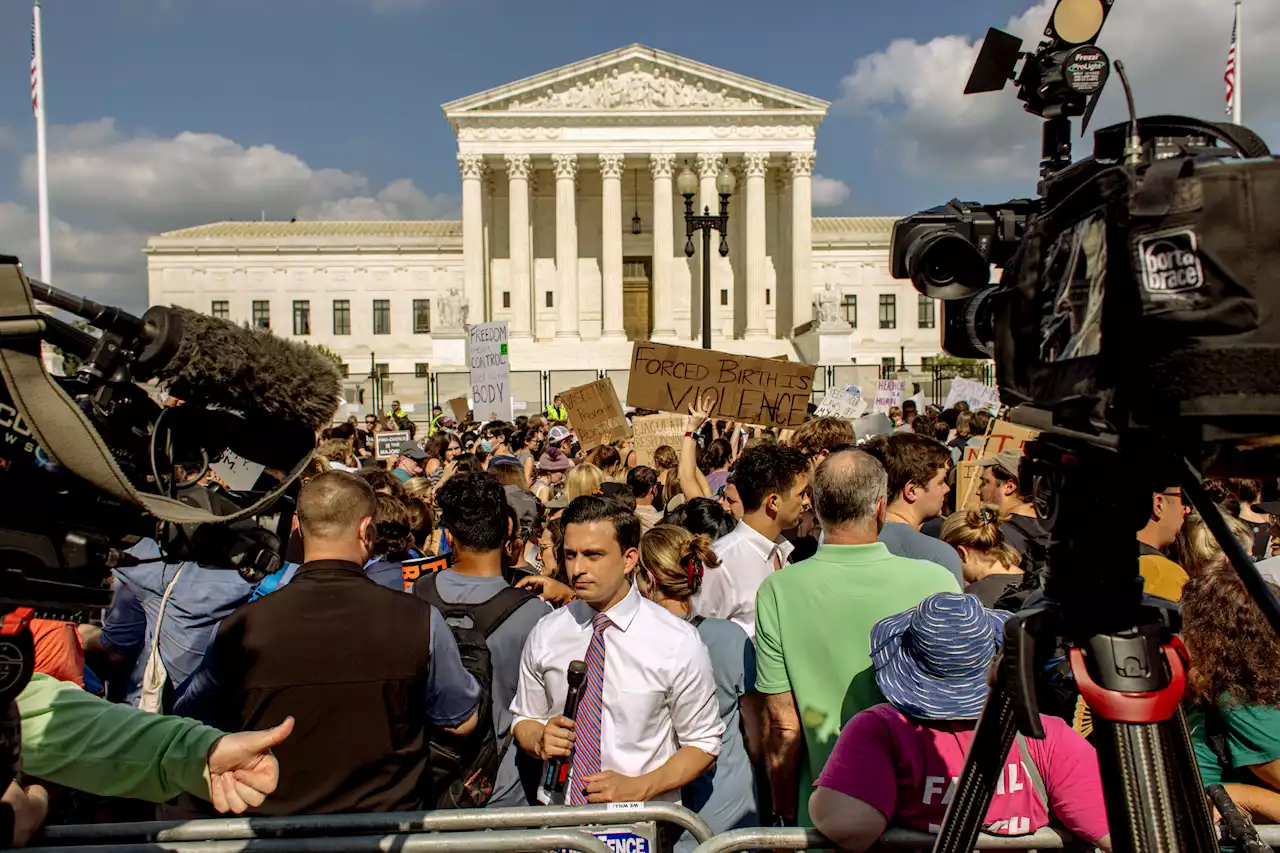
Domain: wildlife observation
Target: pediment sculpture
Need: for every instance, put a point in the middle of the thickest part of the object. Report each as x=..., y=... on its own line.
x=636, y=89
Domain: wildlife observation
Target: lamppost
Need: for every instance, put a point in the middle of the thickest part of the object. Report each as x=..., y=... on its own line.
x=687, y=185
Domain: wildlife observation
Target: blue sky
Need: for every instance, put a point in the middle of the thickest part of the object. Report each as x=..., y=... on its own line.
x=173, y=112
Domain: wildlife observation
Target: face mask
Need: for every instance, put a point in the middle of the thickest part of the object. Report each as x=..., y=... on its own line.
x=486, y=446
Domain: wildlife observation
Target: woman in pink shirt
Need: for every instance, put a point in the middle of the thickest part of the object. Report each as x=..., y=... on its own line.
x=897, y=763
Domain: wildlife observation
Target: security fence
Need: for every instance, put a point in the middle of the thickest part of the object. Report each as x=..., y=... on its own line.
x=533, y=390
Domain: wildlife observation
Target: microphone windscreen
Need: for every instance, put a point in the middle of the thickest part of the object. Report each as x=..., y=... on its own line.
x=577, y=672
x=249, y=370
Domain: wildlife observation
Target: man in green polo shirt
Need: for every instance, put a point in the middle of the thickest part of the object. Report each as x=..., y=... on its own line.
x=813, y=626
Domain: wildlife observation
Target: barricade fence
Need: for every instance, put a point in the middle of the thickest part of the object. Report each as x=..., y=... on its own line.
x=532, y=390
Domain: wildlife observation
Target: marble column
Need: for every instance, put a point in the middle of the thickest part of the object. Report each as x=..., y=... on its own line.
x=754, y=167
x=782, y=258
x=472, y=167
x=801, y=165
x=664, y=322
x=566, y=168
x=518, y=166
x=611, y=168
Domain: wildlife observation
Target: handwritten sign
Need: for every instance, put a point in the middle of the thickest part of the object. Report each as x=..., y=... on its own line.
x=748, y=390
x=977, y=395
x=595, y=413
x=889, y=394
x=459, y=407
x=650, y=432
x=490, y=371
x=1001, y=435
x=839, y=403
x=238, y=473
x=387, y=444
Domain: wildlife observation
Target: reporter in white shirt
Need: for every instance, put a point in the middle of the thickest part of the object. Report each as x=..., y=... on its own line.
x=773, y=485
x=658, y=724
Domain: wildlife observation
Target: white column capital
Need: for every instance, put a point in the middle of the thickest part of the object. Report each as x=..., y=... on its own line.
x=471, y=166
x=612, y=165
x=709, y=165
x=518, y=166
x=565, y=165
x=662, y=165
x=801, y=163
x=755, y=164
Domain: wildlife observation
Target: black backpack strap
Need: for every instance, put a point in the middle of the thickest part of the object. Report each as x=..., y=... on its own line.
x=488, y=616
x=698, y=620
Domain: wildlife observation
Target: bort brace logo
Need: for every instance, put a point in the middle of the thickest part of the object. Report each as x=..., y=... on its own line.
x=1171, y=263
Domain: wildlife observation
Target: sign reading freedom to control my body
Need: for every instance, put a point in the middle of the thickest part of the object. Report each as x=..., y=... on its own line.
x=746, y=389
x=490, y=372
x=595, y=413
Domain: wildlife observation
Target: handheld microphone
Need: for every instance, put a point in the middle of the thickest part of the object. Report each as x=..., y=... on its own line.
x=556, y=777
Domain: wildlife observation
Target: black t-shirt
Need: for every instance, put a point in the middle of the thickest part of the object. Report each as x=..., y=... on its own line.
x=989, y=589
x=1261, y=538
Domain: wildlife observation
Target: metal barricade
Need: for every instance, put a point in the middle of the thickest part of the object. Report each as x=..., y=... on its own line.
x=455, y=820
x=514, y=841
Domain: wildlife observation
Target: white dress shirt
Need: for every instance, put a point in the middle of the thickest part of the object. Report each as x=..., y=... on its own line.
x=746, y=559
x=659, y=693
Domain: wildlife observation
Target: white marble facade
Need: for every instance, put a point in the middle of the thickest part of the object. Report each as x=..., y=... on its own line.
x=554, y=168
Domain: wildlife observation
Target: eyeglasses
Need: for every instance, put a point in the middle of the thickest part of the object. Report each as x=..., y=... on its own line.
x=1177, y=494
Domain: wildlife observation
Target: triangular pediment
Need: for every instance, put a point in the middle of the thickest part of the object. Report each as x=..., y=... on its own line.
x=635, y=79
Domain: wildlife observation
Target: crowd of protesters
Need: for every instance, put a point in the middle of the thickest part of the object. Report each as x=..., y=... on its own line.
x=778, y=627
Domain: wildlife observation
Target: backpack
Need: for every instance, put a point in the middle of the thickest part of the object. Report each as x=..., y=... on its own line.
x=1035, y=560
x=464, y=769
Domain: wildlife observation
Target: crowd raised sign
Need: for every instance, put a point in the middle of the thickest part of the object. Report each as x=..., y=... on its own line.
x=840, y=403
x=889, y=394
x=490, y=372
x=459, y=407
x=748, y=390
x=977, y=395
x=649, y=432
x=595, y=413
x=387, y=444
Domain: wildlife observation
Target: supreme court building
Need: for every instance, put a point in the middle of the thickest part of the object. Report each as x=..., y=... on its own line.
x=572, y=231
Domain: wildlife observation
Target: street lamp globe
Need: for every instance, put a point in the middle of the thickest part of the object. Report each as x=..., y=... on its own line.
x=687, y=183
x=725, y=183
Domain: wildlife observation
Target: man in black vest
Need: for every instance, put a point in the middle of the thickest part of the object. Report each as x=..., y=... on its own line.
x=363, y=669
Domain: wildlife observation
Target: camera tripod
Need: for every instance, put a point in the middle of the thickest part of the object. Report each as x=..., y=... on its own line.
x=1123, y=652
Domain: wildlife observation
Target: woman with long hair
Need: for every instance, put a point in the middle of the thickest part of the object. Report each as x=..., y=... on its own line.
x=393, y=543
x=582, y=480
x=552, y=467
x=672, y=564
x=1233, y=689
x=442, y=448
x=607, y=459
x=714, y=463
x=990, y=563
x=525, y=452
x=1196, y=549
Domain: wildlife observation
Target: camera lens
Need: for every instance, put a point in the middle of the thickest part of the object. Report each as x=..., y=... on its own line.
x=944, y=265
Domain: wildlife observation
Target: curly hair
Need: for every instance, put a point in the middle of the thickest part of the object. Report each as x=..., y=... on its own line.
x=1235, y=656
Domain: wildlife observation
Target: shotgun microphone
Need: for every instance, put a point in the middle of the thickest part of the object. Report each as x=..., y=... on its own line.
x=557, y=776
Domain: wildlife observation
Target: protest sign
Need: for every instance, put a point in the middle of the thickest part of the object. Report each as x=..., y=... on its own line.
x=387, y=444
x=1001, y=435
x=490, y=371
x=650, y=432
x=459, y=407
x=889, y=394
x=239, y=474
x=748, y=390
x=839, y=403
x=977, y=395
x=595, y=413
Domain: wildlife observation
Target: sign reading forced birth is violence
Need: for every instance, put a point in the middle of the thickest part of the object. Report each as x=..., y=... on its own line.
x=745, y=389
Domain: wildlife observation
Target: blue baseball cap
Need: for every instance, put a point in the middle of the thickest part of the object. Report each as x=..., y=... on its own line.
x=931, y=661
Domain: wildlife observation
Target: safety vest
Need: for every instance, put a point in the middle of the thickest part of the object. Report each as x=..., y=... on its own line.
x=560, y=414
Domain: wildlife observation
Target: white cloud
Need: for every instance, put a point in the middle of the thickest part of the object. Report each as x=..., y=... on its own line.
x=110, y=191
x=829, y=192
x=1174, y=51
x=8, y=139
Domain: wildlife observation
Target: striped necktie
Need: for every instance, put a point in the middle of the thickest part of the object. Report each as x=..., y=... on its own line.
x=586, y=725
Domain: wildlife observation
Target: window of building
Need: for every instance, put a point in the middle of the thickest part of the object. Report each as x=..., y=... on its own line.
x=506, y=299
x=724, y=296
x=421, y=369
x=383, y=369
x=850, y=306
x=768, y=296
x=345, y=369
x=382, y=316
x=926, y=312
x=342, y=316
x=422, y=316
x=888, y=311
x=551, y=299
x=888, y=365
x=221, y=309
x=301, y=317
x=261, y=314
x=926, y=362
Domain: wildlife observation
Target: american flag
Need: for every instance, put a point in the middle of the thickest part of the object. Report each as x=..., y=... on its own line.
x=35, y=69
x=1230, y=76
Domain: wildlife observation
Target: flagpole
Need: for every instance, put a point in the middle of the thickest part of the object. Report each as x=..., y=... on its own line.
x=42, y=158
x=1237, y=107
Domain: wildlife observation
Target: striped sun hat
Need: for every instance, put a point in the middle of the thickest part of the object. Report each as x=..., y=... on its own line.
x=931, y=662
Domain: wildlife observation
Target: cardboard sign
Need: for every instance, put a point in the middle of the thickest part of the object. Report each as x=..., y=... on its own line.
x=748, y=390
x=977, y=395
x=595, y=413
x=889, y=394
x=238, y=473
x=490, y=371
x=387, y=444
x=459, y=407
x=839, y=403
x=650, y=432
x=1001, y=435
